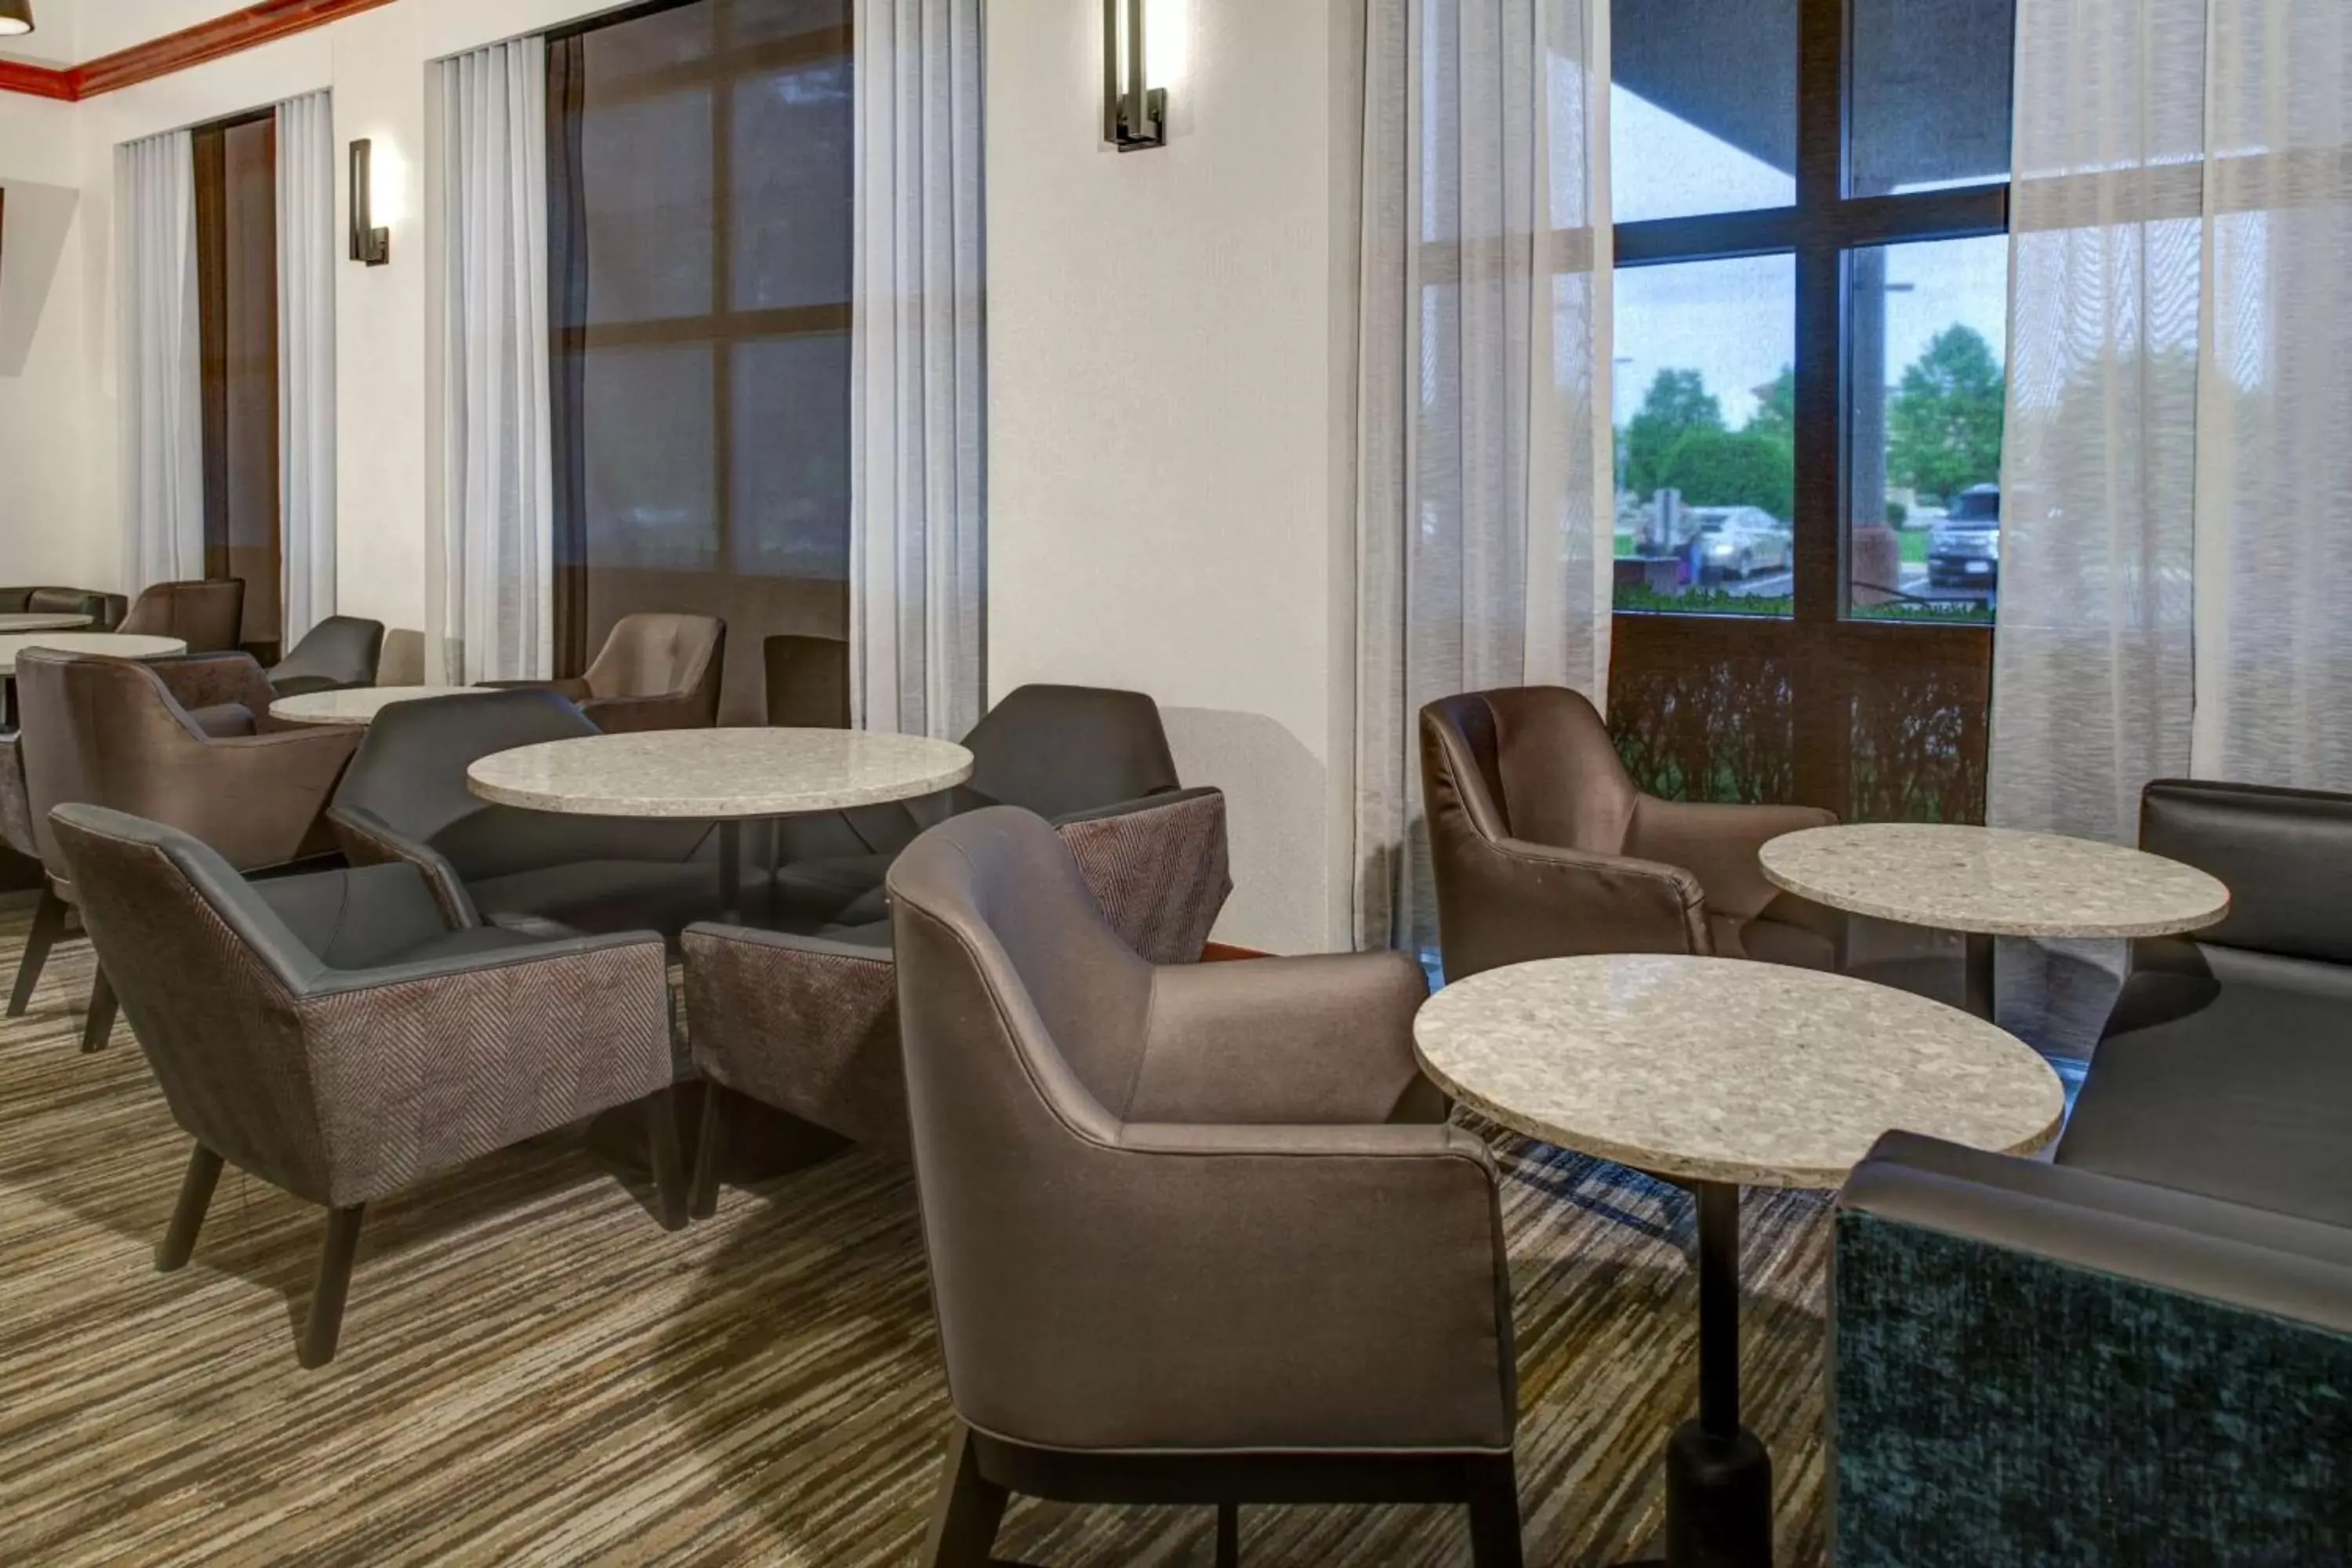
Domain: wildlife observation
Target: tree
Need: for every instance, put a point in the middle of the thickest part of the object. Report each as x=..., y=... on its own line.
x=1677, y=404
x=1776, y=407
x=1943, y=424
x=1726, y=467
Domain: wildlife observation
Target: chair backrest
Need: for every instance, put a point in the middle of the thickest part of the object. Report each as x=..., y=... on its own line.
x=1535, y=763
x=410, y=772
x=652, y=655
x=1054, y=749
x=340, y=649
x=808, y=682
x=2285, y=854
x=1021, y=1021
x=208, y=615
x=205, y=971
x=104, y=732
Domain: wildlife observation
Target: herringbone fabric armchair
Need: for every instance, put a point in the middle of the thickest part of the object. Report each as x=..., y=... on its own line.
x=338, y=1037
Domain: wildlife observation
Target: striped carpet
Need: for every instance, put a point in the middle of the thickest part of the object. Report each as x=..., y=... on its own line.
x=533, y=1372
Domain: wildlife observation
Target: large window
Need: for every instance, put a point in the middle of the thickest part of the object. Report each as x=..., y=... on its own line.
x=1812, y=205
x=237, y=290
x=699, y=222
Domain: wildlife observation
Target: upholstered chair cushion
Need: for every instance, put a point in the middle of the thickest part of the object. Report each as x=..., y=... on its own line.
x=339, y=653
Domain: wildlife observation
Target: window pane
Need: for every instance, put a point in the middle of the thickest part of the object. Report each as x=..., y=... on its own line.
x=792, y=458
x=644, y=180
x=1704, y=408
x=645, y=437
x=1930, y=93
x=1928, y=325
x=791, y=178
x=1703, y=108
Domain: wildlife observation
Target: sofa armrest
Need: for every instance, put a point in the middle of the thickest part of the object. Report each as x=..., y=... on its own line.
x=805, y=1024
x=259, y=800
x=1719, y=845
x=216, y=680
x=366, y=839
x=1158, y=866
x=1509, y=900
x=2039, y=1364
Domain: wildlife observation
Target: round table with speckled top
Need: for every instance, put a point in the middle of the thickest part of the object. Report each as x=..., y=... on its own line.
x=1988, y=882
x=1721, y=1074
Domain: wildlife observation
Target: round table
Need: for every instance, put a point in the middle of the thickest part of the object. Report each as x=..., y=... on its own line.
x=115, y=645
x=359, y=704
x=1720, y=1074
x=41, y=621
x=732, y=776
x=1987, y=882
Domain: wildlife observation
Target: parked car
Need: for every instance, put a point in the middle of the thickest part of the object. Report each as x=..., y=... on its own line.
x=1964, y=550
x=1738, y=541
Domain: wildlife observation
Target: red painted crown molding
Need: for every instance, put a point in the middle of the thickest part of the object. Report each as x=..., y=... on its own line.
x=227, y=35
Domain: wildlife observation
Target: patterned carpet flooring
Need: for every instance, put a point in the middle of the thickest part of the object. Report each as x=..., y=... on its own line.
x=533, y=1372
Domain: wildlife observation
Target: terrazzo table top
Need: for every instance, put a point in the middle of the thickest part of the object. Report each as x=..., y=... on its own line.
x=360, y=705
x=1994, y=881
x=116, y=645
x=1720, y=1069
x=38, y=621
x=719, y=772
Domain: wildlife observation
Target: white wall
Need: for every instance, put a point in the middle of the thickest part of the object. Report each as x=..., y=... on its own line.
x=1171, y=413
x=48, y=522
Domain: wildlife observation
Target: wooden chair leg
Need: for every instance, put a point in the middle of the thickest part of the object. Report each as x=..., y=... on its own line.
x=325, y=1324
x=970, y=1509
x=1229, y=1535
x=661, y=1143
x=1495, y=1513
x=48, y=924
x=188, y=1215
x=710, y=1148
x=98, y=1027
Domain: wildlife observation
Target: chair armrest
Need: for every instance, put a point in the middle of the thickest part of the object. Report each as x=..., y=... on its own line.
x=804, y=1024
x=216, y=680
x=1508, y=901
x=419, y=1067
x=1322, y=1040
x=366, y=839
x=1719, y=845
x=259, y=800
x=1356, y=1275
x=2034, y=1362
x=1158, y=866
x=626, y=715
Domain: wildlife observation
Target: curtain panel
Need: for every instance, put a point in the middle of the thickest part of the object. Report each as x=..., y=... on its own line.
x=307, y=250
x=1483, y=491
x=919, y=371
x=161, y=362
x=496, y=499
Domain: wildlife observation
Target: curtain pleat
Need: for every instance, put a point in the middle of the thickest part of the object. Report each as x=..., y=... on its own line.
x=1480, y=497
x=497, y=481
x=308, y=252
x=161, y=362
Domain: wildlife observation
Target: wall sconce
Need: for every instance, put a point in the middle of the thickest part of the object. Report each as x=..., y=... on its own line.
x=15, y=18
x=1135, y=115
x=368, y=243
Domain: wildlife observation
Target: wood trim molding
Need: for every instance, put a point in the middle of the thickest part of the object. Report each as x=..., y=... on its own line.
x=227, y=35
x=1222, y=953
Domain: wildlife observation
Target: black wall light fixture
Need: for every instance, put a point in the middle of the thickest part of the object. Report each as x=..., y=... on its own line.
x=1135, y=115
x=368, y=243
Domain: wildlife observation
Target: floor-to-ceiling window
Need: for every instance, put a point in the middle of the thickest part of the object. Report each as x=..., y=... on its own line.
x=236, y=287
x=1811, y=206
x=699, y=225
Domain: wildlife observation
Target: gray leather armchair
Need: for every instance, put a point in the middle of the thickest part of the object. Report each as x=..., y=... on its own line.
x=1196, y=1235
x=208, y=615
x=339, y=653
x=1543, y=847
x=336, y=1036
x=406, y=798
x=110, y=731
x=654, y=672
x=808, y=682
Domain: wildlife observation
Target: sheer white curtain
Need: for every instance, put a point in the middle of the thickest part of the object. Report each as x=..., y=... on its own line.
x=1483, y=472
x=919, y=376
x=161, y=368
x=307, y=250
x=497, y=479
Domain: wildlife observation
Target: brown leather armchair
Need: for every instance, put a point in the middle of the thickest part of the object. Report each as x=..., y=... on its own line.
x=1197, y=1235
x=1543, y=847
x=108, y=731
x=655, y=672
x=105, y=610
x=209, y=616
x=335, y=1034
x=228, y=694
x=808, y=682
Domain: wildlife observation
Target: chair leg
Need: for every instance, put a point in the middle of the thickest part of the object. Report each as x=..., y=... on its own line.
x=1494, y=1512
x=188, y=1215
x=970, y=1509
x=48, y=924
x=1229, y=1535
x=98, y=1027
x=325, y=1324
x=709, y=1149
x=661, y=1142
